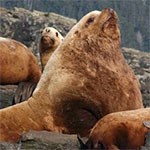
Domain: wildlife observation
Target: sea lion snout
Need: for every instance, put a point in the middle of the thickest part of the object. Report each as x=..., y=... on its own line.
x=109, y=10
x=109, y=23
x=48, y=40
x=111, y=13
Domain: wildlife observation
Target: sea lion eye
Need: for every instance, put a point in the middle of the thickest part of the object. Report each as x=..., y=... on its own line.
x=57, y=34
x=90, y=20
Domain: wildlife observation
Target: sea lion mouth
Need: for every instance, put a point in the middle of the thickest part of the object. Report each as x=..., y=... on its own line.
x=47, y=41
x=112, y=16
x=109, y=23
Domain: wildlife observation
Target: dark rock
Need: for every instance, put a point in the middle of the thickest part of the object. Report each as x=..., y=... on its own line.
x=43, y=140
x=49, y=140
x=147, y=142
x=9, y=146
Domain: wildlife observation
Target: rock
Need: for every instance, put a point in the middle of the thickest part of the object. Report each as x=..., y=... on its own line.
x=8, y=146
x=140, y=63
x=147, y=142
x=49, y=140
x=43, y=140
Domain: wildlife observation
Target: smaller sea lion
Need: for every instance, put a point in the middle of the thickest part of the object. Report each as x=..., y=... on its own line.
x=121, y=130
x=50, y=40
x=18, y=64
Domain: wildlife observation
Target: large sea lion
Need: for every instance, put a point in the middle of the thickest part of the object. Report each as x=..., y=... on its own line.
x=18, y=64
x=50, y=40
x=86, y=78
x=121, y=130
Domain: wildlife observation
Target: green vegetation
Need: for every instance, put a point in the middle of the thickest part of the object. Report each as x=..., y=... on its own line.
x=134, y=15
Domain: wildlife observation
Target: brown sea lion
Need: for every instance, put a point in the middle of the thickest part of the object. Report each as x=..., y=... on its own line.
x=121, y=130
x=17, y=64
x=50, y=40
x=86, y=78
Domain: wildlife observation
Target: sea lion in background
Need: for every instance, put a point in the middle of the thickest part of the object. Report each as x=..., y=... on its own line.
x=50, y=40
x=17, y=64
x=86, y=78
x=121, y=130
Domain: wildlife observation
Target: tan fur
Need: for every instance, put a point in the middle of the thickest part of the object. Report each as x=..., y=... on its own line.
x=86, y=78
x=50, y=40
x=17, y=63
x=122, y=130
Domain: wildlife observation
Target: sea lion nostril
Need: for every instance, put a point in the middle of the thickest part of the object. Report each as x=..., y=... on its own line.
x=110, y=10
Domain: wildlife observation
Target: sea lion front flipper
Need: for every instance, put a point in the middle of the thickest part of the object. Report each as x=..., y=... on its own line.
x=23, y=92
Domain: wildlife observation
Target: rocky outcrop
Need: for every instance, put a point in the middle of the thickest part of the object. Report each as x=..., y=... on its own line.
x=140, y=63
x=43, y=140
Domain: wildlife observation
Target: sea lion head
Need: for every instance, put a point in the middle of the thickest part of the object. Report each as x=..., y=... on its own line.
x=50, y=38
x=102, y=24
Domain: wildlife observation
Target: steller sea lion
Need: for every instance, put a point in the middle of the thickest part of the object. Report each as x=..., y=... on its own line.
x=50, y=40
x=86, y=78
x=121, y=130
x=17, y=64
